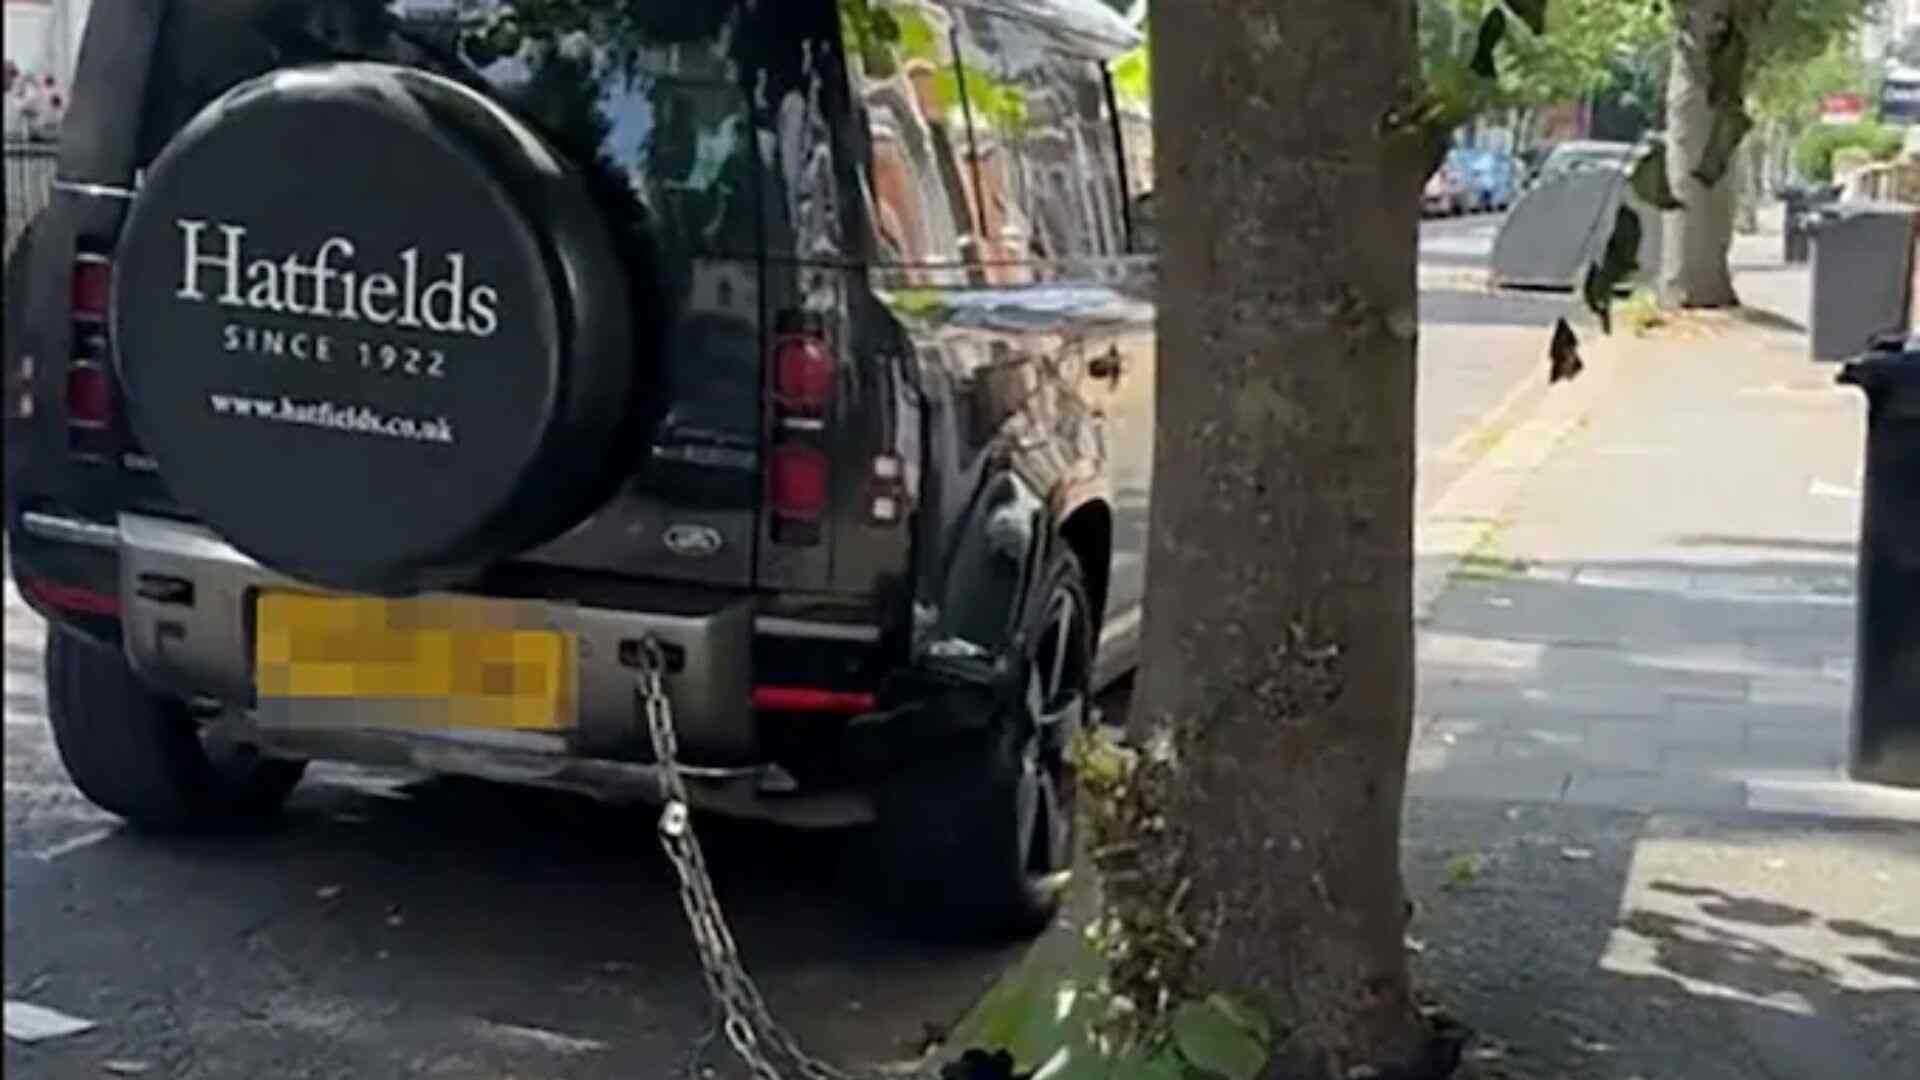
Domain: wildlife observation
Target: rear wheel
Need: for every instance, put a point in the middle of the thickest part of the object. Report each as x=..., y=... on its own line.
x=142, y=756
x=979, y=842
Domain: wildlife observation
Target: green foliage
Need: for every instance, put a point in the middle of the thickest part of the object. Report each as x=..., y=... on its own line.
x=1782, y=32
x=1133, y=71
x=1650, y=179
x=1642, y=312
x=1047, y=1004
x=1216, y=1039
x=1762, y=36
x=1539, y=53
x=1465, y=867
x=1789, y=92
x=1813, y=154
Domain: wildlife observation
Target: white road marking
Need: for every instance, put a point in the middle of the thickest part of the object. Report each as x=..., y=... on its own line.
x=72, y=844
x=541, y=1037
x=28, y=1023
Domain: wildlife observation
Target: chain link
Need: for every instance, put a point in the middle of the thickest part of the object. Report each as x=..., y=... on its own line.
x=756, y=1037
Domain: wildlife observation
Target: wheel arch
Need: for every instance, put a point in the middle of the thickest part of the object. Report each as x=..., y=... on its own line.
x=1088, y=530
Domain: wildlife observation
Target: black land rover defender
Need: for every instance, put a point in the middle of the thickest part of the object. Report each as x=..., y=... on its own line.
x=387, y=379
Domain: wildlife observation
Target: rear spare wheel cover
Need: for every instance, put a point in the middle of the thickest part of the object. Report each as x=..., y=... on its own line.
x=342, y=334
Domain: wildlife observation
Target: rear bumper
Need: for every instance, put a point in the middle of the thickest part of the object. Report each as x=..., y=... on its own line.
x=185, y=609
x=186, y=600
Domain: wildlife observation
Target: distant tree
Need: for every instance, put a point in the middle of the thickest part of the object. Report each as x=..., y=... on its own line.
x=1907, y=49
x=1720, y=49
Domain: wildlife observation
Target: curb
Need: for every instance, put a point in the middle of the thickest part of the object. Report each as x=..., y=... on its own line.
x=1469, y=510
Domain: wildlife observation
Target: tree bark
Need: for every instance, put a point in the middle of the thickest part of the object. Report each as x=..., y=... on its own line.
x=1699, y=236
x=1279, y=640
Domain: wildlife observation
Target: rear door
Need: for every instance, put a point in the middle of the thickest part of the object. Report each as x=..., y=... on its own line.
x=703, y=129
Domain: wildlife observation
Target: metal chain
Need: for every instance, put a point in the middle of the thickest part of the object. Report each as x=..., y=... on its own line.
x=749, y=1027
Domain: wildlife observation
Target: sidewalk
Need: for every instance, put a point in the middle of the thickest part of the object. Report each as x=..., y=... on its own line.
x=1629, y=833
x=1663, y=618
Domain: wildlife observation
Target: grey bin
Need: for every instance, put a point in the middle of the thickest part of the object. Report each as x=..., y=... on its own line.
x=1557, y=229
x=1862, y=263
x=1885, y=743
x=1800, y=206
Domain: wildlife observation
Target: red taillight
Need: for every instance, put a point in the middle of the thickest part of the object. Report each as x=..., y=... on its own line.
x=89, y=396
x=92, y=288
x=797, y=482
x=70, y=597
x=90, y=389
x=807, y=699
x=802, y=375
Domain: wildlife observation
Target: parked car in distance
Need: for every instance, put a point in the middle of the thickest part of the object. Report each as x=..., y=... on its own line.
x=1445, y=194
x=743, y=390
x=1582, y=154
x=1493, y=179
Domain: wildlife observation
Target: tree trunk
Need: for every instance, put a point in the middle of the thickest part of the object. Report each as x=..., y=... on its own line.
x=1279, y=640
x=1700, y=235
x=1746, y=177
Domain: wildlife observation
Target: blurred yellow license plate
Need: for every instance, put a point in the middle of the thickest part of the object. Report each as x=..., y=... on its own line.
x=453, y=662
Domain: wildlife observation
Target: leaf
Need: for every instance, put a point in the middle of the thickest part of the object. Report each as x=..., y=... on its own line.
x=1209, y=1040
x=1598, y=296
x=1650, y=179
x=1564, y=354
x=1248, y=1017
x=1618, y=262
x=1163, y=1066
x=1463, y=868
x=1492, y=29
x=1730, y=125
x=1531, y=12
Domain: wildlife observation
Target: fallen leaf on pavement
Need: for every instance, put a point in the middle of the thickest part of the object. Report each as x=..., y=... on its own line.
x=1487, y=1051
x=27, y=1022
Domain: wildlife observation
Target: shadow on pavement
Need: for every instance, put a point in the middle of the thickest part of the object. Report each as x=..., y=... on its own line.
x=1463, y=307
x=426, y=928
x=1634, y=959
x=1839, y=548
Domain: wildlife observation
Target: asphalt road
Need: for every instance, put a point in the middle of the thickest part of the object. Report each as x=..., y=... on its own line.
x=400, y=926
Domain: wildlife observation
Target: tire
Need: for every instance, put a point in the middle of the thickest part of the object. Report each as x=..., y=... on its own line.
x=466, y=413
x=140, y=755
x=977, y=842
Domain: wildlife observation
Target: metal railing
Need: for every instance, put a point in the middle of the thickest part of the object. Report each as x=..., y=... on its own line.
x=30, y=169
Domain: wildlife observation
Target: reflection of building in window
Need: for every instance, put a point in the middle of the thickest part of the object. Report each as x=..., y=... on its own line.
x=896, y=206
x=911, y=193
x=1136, y=132
x=1050, y=147
x=1006, y=236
